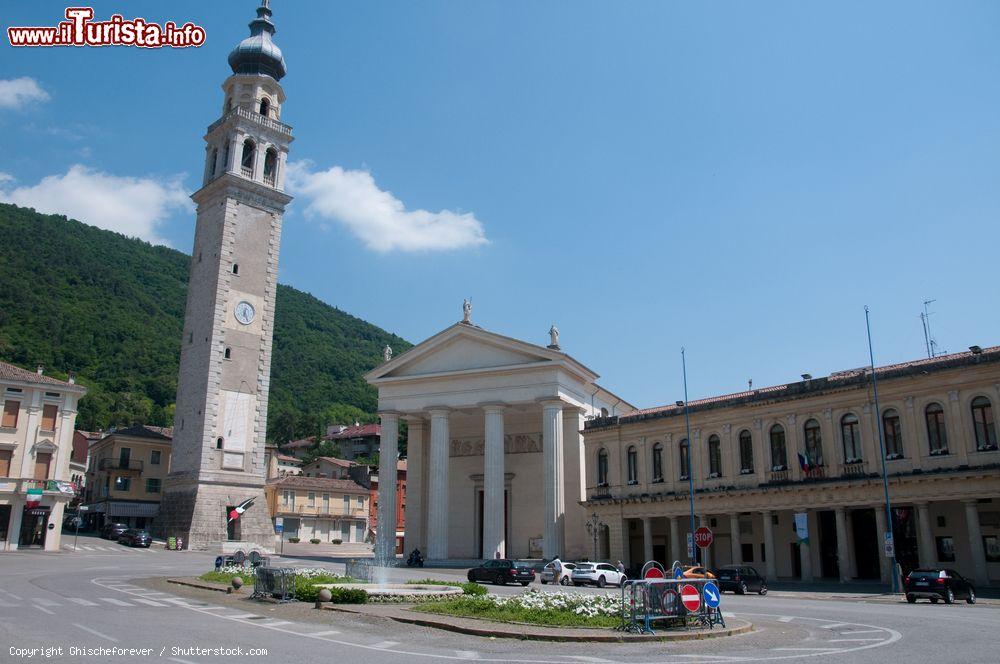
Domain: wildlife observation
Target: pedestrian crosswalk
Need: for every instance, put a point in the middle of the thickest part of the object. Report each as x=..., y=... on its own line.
x=105, y=548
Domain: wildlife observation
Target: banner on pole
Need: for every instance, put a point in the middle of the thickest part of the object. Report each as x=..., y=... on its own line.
x=802, y=527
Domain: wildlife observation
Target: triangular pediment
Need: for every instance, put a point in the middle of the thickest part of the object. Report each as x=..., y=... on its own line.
x=462, y=348
x=45, y=445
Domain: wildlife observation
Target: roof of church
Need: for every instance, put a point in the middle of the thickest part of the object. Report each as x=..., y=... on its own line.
x=258, y=54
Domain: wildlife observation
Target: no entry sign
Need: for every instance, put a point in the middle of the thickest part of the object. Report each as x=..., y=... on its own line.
x=690, y=597
x=654, y=573
x=703, y=537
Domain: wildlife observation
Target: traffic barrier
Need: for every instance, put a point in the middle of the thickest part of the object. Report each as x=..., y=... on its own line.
x=274, y=582
x=674, y=603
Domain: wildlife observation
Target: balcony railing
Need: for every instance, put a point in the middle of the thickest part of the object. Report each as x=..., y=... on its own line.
x=248, y=114
x=856, y=469
x=814, y=473
x=121, y=464
x=600, y=492
x=316, y=510
x=246, y=171
x=779, y=476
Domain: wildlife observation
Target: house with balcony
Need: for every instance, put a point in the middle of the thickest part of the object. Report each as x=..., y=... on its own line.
x=789, y=477
x=359, y=441
x=126, y=474
x=36, y=441
x=329, y=510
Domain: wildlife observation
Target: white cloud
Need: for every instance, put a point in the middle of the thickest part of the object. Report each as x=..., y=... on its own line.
x=6, y=177
x=18, y=92
x=128, y=205
x=376, y=217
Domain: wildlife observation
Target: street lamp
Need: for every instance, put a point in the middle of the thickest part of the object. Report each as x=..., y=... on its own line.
x=690, y=451
x=594, y=527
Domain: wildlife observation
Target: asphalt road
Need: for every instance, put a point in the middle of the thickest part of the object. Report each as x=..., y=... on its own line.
x=97, y=598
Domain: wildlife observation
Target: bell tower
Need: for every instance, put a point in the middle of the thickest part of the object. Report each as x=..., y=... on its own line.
x=220, y=421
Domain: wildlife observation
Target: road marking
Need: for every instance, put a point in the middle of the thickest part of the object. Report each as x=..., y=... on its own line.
x=786, y=619
x=726, y=614
x=96, y=633
x=328, y=632
x=11, y=595
x=585, y=658
x=863, y=631
x=809, y=649
x=148, y=602
x=385, y=644
x=210, y=608
x=44, y=610
x=835, y=625
x=850, y=640
x=112, y=600
x=467, y=654
x=81, y=601
x=244, y=616
x=45, y=602
x=278, y=622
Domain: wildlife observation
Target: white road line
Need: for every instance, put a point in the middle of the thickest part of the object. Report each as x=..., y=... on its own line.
x=809, y=649
x=210, y=608
x=244, y=616
x=385, y=644
x=726, y=614
x=44, y=602
x=863, y=631
x=277, y=622
x=81, y=601
x=329, y=632
x=112, y=600
x=96, y=633
x=786, y=619
x=835, y=625
x=585, y=658
x=850, y=640
x=467, y=654
x=11, y=595
x=44, y=610
x=148, y=602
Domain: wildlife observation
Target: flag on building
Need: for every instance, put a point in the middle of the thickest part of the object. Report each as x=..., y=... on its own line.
x=804, y=463
x=34, y=498
x=238, y=511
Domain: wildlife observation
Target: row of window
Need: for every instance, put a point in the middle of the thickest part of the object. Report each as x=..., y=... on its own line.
x=123, y=483
x=11, y=414
x=288, y=500
x=247, y=160
x=43, y=463
x=984, y=432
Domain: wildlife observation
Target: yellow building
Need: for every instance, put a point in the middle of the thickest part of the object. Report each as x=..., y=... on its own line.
x=36, y=440
x=319, y=507
x=126, y=474
x=808, y=452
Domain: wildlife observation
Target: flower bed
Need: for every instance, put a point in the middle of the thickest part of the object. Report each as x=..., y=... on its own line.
x=537, y=608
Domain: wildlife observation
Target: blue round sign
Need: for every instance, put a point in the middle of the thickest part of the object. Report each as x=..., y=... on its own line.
x=678, y=573
x=712, y=595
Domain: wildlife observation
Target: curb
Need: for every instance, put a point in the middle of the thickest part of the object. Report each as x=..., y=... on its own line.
x=493, y=632
x=201, y=585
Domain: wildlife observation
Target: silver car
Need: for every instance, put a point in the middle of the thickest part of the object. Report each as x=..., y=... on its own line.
x=548, y=574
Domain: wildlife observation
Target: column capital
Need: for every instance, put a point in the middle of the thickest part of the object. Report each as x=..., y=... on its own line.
x=552, y=403
x=493, y=406
x=413, y=419
x=389, y=413
x=438, y=411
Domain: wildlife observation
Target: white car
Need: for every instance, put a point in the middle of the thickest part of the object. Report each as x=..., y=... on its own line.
x=549, y=573
x=598, y=574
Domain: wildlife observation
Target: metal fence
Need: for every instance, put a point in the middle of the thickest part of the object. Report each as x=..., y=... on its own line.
x=274, y=582
x=659, y=600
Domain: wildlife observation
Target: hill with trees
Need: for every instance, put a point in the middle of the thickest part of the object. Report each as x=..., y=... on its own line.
x=111, y=308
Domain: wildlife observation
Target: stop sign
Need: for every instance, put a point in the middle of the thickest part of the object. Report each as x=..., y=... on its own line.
x=703, y=537
x=690, y=597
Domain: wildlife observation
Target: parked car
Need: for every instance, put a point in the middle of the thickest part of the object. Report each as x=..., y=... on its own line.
x=548, y=574
x=135, y=537
x=502, y=572
x=740, y=579
x=936, y=584
x=598, y=574
x=696, y=572
x=112, y=530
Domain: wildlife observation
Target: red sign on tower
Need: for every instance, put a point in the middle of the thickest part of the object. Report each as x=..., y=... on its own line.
x=690, y=597
x=703, y=537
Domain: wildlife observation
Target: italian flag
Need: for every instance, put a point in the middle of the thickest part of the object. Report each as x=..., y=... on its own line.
x=34, y=498
x=238, y=511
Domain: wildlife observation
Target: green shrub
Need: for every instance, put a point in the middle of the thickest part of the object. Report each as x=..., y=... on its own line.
x=227, y=577
x=293, y=540
x=314, y=540
x=473, y=588
x=348, y=596
x=336, y=541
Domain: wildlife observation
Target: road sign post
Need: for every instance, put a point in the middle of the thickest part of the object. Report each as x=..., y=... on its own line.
x=690, y=546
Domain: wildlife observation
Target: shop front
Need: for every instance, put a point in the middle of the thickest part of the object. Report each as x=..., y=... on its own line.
x=34, y=527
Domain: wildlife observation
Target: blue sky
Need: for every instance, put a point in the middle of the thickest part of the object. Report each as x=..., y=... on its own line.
x=736, y=178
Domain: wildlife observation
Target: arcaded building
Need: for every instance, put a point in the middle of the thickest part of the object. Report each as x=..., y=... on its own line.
x=811, y=447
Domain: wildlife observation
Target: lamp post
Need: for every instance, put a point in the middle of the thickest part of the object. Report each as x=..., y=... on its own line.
x=690, y=450
x=881, y=449
x=594, y=527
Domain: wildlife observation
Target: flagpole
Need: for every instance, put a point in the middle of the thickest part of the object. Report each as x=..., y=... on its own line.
x=692, y=549
x=881, y=449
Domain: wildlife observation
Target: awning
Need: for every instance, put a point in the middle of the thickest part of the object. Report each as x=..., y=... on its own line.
x=133, y=509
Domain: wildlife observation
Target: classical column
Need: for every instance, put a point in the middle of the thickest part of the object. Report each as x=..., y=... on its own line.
x=770, y=564
x=976, y=543
x=736, y=547
x=884, y=564
x=805, y=553
x=415, y=482
x=647, y=539
x=437, y=512
x=676, y=552
x=843, y=551
x=388, y=451
x=553, y=487
x=925, y=539
x=494, y=540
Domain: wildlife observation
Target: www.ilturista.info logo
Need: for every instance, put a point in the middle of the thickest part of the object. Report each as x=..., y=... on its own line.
x=81, y=30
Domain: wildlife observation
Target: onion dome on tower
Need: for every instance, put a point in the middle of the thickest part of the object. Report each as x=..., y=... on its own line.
x=258, y=54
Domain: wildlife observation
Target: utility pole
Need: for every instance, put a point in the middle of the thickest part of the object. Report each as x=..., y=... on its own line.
x=889, y=538
x=689, y=469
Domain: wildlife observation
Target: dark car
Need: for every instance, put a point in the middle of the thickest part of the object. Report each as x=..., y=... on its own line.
x=502, y=572
x=936, y=584
x=112, y=530
x=135, y=537
x=740, y=579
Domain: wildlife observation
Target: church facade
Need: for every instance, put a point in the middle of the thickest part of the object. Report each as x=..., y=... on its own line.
x=495, y=464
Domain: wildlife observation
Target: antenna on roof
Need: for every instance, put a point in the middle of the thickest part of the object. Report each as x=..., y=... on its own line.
x=929, y=341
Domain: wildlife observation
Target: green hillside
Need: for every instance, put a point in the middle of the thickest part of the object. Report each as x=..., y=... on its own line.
x=111, y=308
